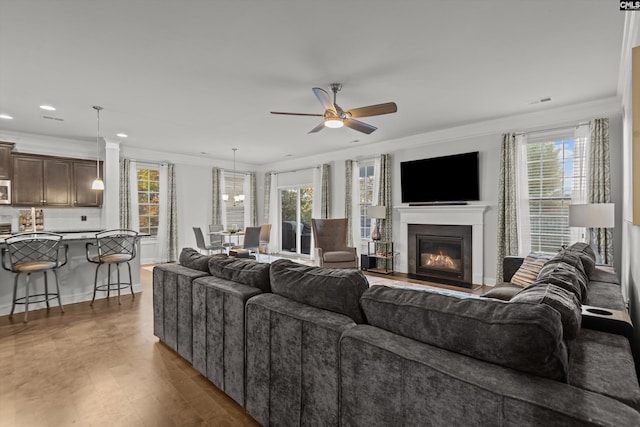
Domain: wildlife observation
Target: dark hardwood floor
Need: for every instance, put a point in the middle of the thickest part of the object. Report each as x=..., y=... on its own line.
x=102, y=366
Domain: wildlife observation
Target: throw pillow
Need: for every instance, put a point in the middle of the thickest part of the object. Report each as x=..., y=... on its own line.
x=562, y=300
x=528, y=271
x=566, y=260
x=502, y=292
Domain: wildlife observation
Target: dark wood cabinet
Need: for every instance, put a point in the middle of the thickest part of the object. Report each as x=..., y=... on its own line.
x=53, y=181
x=5, y=159
x=28, y=181
x=84, y=173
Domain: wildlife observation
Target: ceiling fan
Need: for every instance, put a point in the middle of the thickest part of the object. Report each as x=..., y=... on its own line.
x=336, y=117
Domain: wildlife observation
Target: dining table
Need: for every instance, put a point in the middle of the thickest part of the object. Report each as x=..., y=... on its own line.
x=228, y=236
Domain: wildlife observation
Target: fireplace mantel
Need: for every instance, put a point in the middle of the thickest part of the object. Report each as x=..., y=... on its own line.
x=445, y=215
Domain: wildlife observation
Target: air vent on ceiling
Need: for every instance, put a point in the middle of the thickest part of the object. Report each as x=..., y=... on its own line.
x=53, y=118
x=540, y=101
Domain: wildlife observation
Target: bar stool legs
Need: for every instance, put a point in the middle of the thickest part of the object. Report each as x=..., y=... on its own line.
x=112, y=285
x=26, y=299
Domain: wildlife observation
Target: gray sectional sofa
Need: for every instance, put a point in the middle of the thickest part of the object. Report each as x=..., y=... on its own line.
x=301, y=345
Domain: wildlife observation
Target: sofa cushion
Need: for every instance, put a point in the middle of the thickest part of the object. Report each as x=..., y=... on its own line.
x=587, y=256
x=335, y=290
x=522, y=336
x=562, y=300
x=191, y=258
x=244, y=271
x=528, y=271
x=566, y=267
x=339, y=256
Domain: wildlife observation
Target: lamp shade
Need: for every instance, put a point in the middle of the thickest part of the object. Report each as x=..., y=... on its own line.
x=377, y=212
x=592, y=215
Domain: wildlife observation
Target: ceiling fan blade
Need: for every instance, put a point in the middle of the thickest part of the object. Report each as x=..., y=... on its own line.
x=325, y=99
x=297, y=114
x=373, y=110
x=359, y=126
x=317, y=128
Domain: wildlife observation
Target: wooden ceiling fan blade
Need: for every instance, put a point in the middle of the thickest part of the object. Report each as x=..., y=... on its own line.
x=325, y=99
x=317, y=128
x=297, y=114
x=359, y=126
x=373, y=110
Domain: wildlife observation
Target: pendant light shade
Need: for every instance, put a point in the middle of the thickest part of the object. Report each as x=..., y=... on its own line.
x=97, y=184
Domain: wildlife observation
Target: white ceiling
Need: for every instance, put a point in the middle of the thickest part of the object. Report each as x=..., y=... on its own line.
x=202, y=76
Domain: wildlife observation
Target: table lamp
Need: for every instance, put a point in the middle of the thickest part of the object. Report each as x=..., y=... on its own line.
x=376, y=212
x=592, y=215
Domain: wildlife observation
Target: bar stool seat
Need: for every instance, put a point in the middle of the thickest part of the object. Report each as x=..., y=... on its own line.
x=34, y=253
x=113, y=247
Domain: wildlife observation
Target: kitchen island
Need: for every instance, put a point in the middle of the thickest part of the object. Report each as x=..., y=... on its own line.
x=76, y=278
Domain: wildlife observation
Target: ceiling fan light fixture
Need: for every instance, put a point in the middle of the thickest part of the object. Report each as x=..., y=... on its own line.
x=333, y=123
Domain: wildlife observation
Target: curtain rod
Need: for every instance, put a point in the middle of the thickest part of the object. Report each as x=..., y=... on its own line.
x=294, y=170
x=553, y=129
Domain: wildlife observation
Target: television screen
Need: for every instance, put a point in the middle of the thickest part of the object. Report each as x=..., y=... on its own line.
x=444, y=179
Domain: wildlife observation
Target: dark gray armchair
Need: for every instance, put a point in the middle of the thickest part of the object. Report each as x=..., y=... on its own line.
x=330, y=237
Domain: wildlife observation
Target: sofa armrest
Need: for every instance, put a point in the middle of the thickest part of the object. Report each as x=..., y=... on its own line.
x=607, y=320
x=510, y=264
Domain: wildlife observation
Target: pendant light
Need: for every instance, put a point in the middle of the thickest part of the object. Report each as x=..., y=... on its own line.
x=239, y=198
x=98, y=184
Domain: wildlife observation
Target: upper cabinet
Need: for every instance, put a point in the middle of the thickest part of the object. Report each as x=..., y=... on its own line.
x=84, y=173
x=53, y=181
x=5, y=159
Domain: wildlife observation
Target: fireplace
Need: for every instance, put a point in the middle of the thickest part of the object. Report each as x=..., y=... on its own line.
x=440, y=253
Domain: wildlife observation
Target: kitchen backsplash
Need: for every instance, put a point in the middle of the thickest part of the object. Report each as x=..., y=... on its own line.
x=57, y=219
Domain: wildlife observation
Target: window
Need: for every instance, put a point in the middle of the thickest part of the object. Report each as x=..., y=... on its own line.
x=233, y=186
x=296, y=206
x=366, y=179
x=149, y=200
x=555, y=176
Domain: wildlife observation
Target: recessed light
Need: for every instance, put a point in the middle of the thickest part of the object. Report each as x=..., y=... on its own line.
x=48, y=107
x=288, y=155
x=6, y=117
x=122, y=135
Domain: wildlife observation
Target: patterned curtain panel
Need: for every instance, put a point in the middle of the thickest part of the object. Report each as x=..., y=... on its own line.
x=348, y=199
x=125, y=194
x=267, y=193
x=253, y=191
x=216, y=197
x=507, y=202
x=600, y=183
x=384, y=198
x=172, y=213
x=325, y=196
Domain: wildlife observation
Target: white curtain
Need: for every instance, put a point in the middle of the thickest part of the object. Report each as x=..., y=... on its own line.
x=316, y=207
x=274, y=215
x=162, y=252
x=522, y=197
x=355, y=205
x=133, y=191
x=223, y=205
x=580, y=176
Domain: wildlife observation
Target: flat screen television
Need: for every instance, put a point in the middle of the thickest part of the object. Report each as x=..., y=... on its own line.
x=441, y=180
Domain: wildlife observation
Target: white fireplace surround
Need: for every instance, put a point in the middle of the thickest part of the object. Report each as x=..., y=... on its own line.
x=472, y=215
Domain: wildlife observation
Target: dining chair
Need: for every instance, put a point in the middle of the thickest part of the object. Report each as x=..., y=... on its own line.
x=265, y=238
x=202, y=246
x=252, y=240
x=34, y=253
x=117, y=246
x=216, y=238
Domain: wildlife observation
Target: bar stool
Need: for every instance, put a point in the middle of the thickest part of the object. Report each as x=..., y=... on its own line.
x=34, y=253
x=113, y=247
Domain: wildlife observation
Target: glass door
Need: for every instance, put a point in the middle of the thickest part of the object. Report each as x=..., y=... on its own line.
x=295, y=206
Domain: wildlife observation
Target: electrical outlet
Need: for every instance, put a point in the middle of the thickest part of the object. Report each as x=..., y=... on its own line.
x=83, y=218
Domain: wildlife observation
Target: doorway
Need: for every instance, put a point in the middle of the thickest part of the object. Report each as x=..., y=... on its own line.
x=295, y=208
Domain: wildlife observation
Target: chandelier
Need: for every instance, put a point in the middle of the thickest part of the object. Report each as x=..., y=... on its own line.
x=237, y=198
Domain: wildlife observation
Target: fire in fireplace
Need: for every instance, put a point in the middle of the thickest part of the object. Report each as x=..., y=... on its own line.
x=440, y=253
